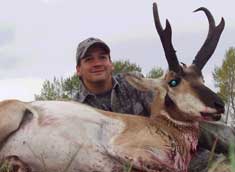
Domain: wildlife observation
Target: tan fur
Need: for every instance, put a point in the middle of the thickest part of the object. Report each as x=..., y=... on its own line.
x=140, y=133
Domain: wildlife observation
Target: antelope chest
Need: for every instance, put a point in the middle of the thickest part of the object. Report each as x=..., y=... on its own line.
x=177, y=143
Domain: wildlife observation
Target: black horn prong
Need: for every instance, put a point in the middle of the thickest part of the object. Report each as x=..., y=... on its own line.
x=166, y=39
x=208, y=14
x=211, y=41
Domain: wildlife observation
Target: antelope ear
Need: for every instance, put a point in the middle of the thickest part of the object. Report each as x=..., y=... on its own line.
x=137, y=82
x=12, y=115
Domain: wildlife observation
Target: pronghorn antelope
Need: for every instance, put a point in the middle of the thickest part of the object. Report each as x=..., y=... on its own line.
x=69, y=136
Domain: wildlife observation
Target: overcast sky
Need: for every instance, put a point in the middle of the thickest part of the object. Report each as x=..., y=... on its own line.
x=38, y=38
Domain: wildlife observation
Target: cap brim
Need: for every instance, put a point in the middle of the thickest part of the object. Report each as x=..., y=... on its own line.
x=101, y=44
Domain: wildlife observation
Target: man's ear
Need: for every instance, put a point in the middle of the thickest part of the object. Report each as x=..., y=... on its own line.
x=112, y=65
x=78, y=69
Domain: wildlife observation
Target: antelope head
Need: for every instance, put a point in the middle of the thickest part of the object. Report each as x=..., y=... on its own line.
x=181, y=94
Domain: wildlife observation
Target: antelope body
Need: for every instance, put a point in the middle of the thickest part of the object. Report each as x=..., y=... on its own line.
x=69, y=136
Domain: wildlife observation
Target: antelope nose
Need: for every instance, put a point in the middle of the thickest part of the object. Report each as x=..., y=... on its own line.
x=219, y=105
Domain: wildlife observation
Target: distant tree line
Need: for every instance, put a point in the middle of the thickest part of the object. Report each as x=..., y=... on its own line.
x=66, y=88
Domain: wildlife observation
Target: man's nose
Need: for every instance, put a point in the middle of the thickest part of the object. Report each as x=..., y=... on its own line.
x=97, y=61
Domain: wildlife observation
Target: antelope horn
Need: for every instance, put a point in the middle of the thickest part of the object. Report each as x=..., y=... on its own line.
x=166, y=39
x=211, y=41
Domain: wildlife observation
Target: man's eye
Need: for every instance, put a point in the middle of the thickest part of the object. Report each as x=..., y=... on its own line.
x=103, y=57
x=174, y=82
x=87, y=59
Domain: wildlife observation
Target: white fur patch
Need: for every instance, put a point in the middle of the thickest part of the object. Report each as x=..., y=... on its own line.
x=189, y=104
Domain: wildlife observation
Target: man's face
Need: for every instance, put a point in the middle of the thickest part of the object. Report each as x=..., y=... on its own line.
x=96, y=66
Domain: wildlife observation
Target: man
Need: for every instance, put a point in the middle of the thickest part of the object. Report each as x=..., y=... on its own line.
x=102, y=90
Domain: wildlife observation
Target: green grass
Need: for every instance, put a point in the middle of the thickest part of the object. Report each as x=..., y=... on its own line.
x=223, y=164
x=127, y=167
x=232, y=156
x=5, y=167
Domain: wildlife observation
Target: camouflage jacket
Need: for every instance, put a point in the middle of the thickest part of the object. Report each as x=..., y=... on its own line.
x=124, y=98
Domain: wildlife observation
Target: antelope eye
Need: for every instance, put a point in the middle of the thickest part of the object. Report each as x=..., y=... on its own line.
x=174, y=82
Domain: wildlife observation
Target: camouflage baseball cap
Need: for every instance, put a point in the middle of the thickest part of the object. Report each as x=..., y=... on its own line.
x=87, y=43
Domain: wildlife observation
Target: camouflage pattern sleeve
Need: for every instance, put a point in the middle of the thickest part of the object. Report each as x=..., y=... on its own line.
x=136, y=102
